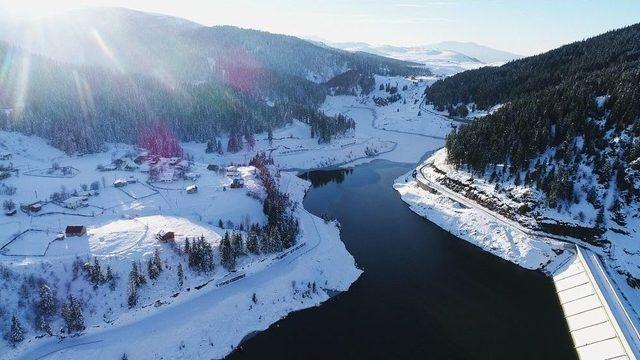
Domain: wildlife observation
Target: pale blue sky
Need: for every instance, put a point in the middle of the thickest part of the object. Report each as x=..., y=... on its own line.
x=521, y=26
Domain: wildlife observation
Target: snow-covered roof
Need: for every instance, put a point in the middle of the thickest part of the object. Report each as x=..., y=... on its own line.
x=75, y=200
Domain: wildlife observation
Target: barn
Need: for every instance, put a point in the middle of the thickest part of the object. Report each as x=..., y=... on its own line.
x=75, y=230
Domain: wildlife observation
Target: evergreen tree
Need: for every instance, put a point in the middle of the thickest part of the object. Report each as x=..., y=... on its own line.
x=16, y=334
x=45, y=308
x=132, y=294
x=110, y=278
x=252, y=239
x=180, y=276
x=72, y=315
x=156, y=260
x=97, y=278
x=226, y=252
x=237, y=245
x=600, y=221
x=152, y=270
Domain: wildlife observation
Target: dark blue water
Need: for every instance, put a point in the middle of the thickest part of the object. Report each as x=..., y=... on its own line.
x=424, y=294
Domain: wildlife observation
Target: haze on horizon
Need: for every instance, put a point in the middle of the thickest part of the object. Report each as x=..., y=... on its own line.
x=523, y=27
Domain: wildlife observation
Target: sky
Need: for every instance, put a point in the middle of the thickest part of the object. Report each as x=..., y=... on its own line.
x=524, y=27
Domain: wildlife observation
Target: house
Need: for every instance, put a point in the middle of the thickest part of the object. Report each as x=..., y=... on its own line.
x=75, y=230
x=11, y=212
x=139, y=159
x=166, y=236
x=33, y=207
x=89, y=193
x=192, y=189
x=191, y=176
x=130, y=167
x=232, y=171
x=213, y=167
x=109, y=167
x=120, y=182
x=237, y=183
x=75, y=202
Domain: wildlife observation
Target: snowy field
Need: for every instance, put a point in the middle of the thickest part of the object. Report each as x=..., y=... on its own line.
x=123, y=223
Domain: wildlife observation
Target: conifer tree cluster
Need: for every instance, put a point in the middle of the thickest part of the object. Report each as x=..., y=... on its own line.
x=282, y=227
x=72, y=315
x=564, y=111
x=214, y=146
x=154, y=265
x=136, y=280
x=200, y=254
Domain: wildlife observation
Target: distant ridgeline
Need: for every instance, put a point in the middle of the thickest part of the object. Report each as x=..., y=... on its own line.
x=565, y=111
x=201, y=82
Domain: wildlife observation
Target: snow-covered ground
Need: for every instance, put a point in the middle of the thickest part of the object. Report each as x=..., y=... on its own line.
x=441, y=62
x=208, y=315
x=513, y=237
x=122, y=224
x=395, y=132
x=468, y=221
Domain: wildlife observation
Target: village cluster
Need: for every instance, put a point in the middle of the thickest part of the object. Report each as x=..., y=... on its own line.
x=88, y=234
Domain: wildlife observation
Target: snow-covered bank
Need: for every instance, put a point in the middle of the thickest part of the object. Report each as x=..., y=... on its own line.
x=210, y=322
x=181, y=311
x=476, y=227
x=211, y=312
x=496, y=228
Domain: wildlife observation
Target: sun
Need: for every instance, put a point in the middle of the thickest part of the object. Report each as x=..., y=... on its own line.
x=30, y=9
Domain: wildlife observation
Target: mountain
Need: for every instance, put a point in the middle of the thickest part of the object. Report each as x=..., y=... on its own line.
x=100, y=74
x=568, y=130
x=175, y=49
x=483, y=53
x=440, y=61
x=78, y=108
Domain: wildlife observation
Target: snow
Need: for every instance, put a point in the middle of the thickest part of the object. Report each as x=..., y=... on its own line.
x=122, y=225
x=441, y=62
x=476, y=227
x=514, y=239
x=215, y=314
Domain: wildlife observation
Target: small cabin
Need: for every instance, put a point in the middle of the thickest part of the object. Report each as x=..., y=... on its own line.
x=237, y=183
x=191, y=176
x=33, y=207
x=109, y=167
x=192, y=189
x=75, y=230
x=130, y=167
x=11, y=212
x=232, y=171
x=139, y=159
x=166, y=236
x=213, y=167
x=74, y=202
x=120, y=183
